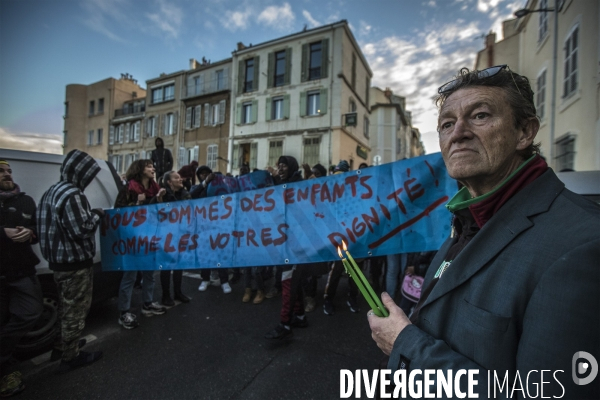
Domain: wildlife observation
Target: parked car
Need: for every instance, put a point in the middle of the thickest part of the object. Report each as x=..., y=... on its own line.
x=35, y=173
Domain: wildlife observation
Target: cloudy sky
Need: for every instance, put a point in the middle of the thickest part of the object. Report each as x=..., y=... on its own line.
x=412, y=47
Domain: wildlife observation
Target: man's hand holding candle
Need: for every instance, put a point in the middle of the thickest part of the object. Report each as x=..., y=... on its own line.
x=385, y=330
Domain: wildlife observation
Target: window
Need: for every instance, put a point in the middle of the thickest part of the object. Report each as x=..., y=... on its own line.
x=163, y=93
x=312, y=103
x=249, y=73
x=151, y=127
x=279, y=78
x=275, y=151
x=193, y=117
x=215, y=114
x=169, y=124
x=353, y=76
x=90, y=141
x=247, y=112
x=135, y=134
x=543, y=19
x=100, y=106
x=128, y=132
x=541, y=94
x=211, y=156
x=366, y=127
x=571, y=68
x=66, y=108
x=245, y=152
x=92, y=107
x=117, y=162
x=311, y=150
x=277, y=108
x=565, y=153
x=314, y=60
x=99, y=136
x=351, y=106
x=220, y=78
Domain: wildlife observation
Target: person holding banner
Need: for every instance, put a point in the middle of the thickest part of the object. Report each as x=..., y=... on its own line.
x=175, y=192
x=205, y=176
x=141, y=189
x=514, y=290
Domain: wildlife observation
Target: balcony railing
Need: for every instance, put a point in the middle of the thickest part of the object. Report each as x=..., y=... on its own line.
x=129, y=111
x=200, y=88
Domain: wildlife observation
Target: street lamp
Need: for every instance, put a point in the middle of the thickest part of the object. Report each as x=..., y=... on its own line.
x=521, y=13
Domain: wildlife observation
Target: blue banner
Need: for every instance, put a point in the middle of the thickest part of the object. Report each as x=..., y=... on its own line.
x=389, y=209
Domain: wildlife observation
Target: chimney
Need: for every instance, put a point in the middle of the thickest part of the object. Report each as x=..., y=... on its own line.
x=193, y=63
x=388, y=93
x=240, y=46
x=490, y=39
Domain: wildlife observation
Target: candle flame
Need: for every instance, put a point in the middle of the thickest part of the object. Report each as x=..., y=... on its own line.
x=344, y=246
x=340, y=252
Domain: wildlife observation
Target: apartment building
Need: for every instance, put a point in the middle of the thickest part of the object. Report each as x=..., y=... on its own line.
x=89, y=109
x=304, y=95
x=566, y=86
x=207, y=104
x=392, y=135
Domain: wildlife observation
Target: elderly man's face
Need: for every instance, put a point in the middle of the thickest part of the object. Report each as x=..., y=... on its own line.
x=478, y=139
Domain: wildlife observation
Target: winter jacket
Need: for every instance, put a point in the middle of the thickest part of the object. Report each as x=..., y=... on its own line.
x=128, y=196
x=172, y=196
x=17, y=259
x=66, y=223
x=163, y=161
x=294, y=174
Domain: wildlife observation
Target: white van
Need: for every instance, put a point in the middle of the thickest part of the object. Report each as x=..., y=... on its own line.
x=35, y=173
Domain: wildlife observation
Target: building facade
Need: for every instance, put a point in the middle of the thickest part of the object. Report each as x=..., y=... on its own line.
x=89, y=110
x=291, y=96
x=566, y=87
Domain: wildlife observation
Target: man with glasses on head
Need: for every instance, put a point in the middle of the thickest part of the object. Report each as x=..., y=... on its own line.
x=515, y=289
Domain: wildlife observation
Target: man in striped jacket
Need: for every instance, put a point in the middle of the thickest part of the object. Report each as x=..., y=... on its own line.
x=66, y=226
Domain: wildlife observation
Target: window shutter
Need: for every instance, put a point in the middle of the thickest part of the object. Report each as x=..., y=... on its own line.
x=268, y=111
x=111, y=135
x=271, y=70
x=159, y=123
x=241, y=76
x=222, y=105
x=197, y=115
x=127, y=132
x=147, y=127
x=175, y=117
x=225, y=78
x=238, y=113
x=288, y=66
x=254, y=110
x=323, y=102
x=305, y=55
x=180, y=158
x=256, y=73
x=286, y=106
x=188, y=118
x=136, y=134
x=253, y=155
x=196, y=150
x=236, y=150
x=207, y=114
x=324, y=58
x=303, y=104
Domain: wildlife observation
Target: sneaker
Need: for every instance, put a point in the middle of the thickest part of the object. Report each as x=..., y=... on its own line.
x=128, y=321
x=328, y=307
x=84, y=358
x=11, y=384
x=260, y=296
x=299, y=323
x=353, y=304
x=273, y=292
x=311, y=304
x=226, y=288
x=57, y=354
x=280, y=332
x=153, y=309
x=203, y=286
x=182, y=298
x=167, y=301
x=247, y=295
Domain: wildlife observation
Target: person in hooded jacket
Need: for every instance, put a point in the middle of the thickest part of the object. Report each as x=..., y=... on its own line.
x=292, y=299
x=205, y=175
x=67, y=226
x=141, y=189
x=161, y=158
x=175, y=192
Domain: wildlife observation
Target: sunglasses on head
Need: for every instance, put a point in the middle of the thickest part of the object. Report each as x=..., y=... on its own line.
x=484, y=73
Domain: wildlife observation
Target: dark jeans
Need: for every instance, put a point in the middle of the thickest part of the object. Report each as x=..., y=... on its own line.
x=334, y=279
x=223, y=276
x=20, y=308
x=255, y=272
x=165, y=282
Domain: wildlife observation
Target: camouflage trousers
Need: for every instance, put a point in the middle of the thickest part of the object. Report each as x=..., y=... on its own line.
x=75, y=298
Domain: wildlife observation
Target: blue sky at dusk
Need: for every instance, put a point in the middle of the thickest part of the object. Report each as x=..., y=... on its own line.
x=412, y=47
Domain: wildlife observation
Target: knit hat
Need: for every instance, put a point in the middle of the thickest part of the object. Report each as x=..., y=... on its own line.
x=342, y=166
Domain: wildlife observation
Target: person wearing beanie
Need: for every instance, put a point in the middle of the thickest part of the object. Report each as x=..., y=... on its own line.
x=342, y=167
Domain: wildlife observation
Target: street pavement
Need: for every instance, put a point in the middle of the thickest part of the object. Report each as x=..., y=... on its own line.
x=212, y=348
